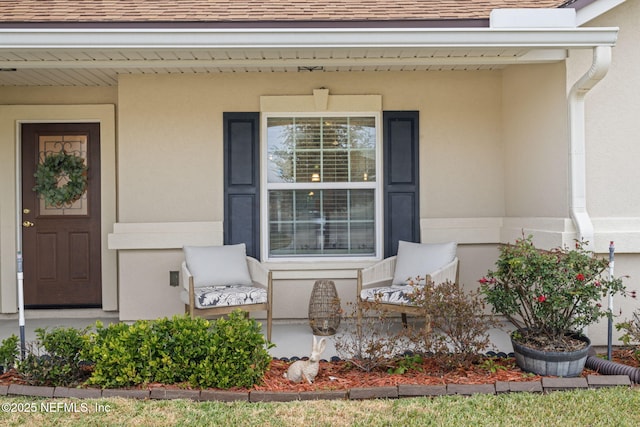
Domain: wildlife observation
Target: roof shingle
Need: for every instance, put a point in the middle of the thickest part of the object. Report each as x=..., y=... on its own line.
x=224, y=11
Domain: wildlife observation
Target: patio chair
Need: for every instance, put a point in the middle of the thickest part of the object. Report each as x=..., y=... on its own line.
x=220, y=279
x=385, y=285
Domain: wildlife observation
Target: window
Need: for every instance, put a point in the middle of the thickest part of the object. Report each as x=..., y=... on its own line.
x=322, y=186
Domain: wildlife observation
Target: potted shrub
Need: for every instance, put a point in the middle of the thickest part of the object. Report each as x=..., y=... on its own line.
x=550, y=296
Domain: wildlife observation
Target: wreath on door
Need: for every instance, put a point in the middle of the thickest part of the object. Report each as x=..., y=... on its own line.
x=52, y=170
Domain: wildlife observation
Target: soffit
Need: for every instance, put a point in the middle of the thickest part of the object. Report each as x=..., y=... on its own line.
x=96, y=57
x=102, y=68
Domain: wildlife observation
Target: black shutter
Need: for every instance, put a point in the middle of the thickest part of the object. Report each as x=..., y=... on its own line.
x=401, y=179
x=242, y=180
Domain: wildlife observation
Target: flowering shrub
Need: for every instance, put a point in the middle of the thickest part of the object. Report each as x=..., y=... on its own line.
x=459, y=332
x=631, y=336
x=368, y=341
x=456, y=335
x=549, y=293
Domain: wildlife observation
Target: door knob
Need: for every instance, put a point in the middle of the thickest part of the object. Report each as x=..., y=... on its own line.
x=27, y=224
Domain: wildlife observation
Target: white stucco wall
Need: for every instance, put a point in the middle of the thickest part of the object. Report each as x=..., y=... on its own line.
x=170, y=129
x=535, y=141
x=612, y=112
x=46, y=95
x=170, y=160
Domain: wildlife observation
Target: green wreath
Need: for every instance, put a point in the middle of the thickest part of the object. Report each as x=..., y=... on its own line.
x=49, y=173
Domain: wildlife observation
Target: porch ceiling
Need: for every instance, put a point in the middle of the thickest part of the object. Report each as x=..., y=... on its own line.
x=97, y=57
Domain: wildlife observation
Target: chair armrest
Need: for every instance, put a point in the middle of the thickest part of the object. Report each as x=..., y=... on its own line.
x=258, y=272
x=185, y=277
x=379, y=273
x=447, y=273
x=261, y=275
x=187, y=284
x=376, y=275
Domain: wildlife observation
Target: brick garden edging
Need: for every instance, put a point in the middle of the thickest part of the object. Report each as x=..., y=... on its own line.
x=546, y=385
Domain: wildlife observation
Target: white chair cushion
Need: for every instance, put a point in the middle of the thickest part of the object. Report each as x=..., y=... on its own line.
x=419, y=259
x=218, y=265
x=219, y=296
x=387, y=294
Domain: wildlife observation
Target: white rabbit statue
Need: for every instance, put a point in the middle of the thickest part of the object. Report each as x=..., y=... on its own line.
x=307, y=369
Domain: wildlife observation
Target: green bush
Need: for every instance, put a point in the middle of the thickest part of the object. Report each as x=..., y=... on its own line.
x=116, y=354
x=222, y=354
x=9, y=352
x=55, y=358
x=236, y=355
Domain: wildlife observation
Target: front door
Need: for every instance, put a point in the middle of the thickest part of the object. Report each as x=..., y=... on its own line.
x=61, y=241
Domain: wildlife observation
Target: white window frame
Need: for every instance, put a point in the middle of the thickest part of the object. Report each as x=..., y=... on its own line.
x=265, y=187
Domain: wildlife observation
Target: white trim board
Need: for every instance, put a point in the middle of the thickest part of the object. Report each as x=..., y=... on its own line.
x=165, y=235
x=595, y=9
x=547, y=232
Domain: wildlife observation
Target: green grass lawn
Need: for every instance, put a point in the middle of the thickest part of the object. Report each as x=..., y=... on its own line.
x=604, y=407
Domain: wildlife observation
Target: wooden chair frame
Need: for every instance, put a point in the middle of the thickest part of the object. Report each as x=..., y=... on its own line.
x=381, y=274
x=260, y=276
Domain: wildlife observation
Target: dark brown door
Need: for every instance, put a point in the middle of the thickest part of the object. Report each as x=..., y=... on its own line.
x=61, y=244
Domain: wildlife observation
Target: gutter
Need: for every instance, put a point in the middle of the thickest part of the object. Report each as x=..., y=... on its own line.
x=577, y=143
x=304, y=38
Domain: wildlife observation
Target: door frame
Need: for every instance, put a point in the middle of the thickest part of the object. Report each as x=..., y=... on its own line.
x=104, y=114
x=68, y=288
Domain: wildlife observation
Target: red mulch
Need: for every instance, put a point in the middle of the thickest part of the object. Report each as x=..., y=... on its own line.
x=625, y=356
x=342, y=375
x=11, y=377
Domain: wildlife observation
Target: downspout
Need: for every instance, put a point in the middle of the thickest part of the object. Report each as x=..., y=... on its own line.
x=577, y=151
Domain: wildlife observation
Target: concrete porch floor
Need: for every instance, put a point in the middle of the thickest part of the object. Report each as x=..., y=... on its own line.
x=291, y=337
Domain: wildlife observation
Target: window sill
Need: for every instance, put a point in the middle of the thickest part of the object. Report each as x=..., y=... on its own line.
x=315, y=269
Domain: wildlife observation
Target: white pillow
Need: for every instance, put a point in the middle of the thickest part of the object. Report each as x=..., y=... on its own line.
x=218, y=265
x=419, y=259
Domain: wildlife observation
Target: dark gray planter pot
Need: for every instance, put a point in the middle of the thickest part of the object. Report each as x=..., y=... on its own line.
x=551, y=363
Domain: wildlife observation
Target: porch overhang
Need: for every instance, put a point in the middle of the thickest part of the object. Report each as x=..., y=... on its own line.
x=96, y=56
